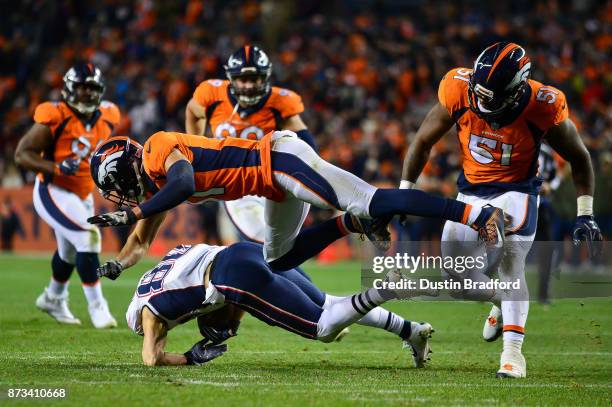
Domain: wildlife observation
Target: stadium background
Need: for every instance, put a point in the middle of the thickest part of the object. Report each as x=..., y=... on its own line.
x=367, y=71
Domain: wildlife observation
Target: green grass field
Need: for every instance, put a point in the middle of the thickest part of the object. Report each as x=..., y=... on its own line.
x=568, y=350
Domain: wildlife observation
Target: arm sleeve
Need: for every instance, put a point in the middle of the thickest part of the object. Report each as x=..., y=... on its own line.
x=111, y=112
x=155, y=151
x=179, y=187
x=551, y=108
x=452, y=92
x=289, y=103
x=48, y=114
x=204, y=94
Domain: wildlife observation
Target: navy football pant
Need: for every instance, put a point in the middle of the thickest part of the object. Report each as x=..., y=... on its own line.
x=242, y=275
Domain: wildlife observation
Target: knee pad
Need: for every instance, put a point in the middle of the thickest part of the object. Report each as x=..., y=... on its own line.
x=87, y=264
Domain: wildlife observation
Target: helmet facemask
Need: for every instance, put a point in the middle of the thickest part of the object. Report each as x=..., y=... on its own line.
x=491, y=107
x=249, y=88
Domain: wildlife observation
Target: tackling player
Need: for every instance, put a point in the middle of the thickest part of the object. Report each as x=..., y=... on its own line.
x=192, y=281
x=502, y=117
x=175, y=167
x=58, y=148
x=245, y=106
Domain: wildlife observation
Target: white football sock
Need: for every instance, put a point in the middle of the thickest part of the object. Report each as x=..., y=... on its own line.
x=514, y=314
x=377, y=318
x=58, y=289
x=348, y=310
x=331, y=300
x=93, y=293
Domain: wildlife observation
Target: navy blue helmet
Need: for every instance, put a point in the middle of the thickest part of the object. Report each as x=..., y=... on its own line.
x=249, y=62
x=499, y=80
x=83, y=87
x=116, y=170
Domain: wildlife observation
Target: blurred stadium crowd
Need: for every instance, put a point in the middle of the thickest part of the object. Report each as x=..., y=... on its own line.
x=367, y=70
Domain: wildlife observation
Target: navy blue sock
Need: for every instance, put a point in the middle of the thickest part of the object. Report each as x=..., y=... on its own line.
x=61, y=269
x=406, y=330
x=86, y=264
x=309, y=243
x=388, y=202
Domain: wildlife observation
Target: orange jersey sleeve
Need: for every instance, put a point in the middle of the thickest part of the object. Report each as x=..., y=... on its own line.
x=548, y=106
x=452, y=92
x=206, y=92
x=286, y=101
x=110, y=112
x=49, y=114
x=157, y=149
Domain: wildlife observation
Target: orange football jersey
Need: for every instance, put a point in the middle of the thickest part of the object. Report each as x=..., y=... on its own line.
x=503, y=159
x=224, y=169
x=251, y=123
x=74, y=138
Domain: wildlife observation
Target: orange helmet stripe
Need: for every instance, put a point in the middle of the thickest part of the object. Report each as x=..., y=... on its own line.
x=505, y=51
x=247, y=51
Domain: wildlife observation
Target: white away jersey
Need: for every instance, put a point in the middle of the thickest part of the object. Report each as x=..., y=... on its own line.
x=174, y=290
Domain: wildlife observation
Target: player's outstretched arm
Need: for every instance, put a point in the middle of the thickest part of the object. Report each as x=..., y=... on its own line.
x=195, y=118
x=135, y=248
x=140, y=240
x=155, y=334
x=434, y=127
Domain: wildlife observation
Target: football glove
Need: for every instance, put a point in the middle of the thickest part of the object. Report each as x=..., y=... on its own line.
x=69, y=166
x=117, y=218
x=111, y=269
x=200, y=354
x=585, y=229
x=216, y=336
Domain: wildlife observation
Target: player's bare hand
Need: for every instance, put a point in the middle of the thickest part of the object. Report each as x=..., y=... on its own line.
x=117, y=218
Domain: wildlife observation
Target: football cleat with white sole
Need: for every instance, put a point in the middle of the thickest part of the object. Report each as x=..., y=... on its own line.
x=100, y=315
x=512, y=365
x=418, y=342
x=342, y=334
x=57, y=307
x=493, y=326
x=376, y=230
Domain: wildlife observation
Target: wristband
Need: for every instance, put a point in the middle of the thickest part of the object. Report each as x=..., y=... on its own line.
x=585, y=205
x=405, y=184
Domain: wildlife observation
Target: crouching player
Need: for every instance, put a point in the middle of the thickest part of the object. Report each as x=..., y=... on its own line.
x=192, y=281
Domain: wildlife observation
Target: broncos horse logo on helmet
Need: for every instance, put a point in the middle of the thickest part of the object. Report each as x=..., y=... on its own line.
x=498, y=81
x=249, y=62
x=83, y=87
x=116, y=170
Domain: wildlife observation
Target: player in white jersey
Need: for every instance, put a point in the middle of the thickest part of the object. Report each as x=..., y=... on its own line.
x=195, y=280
